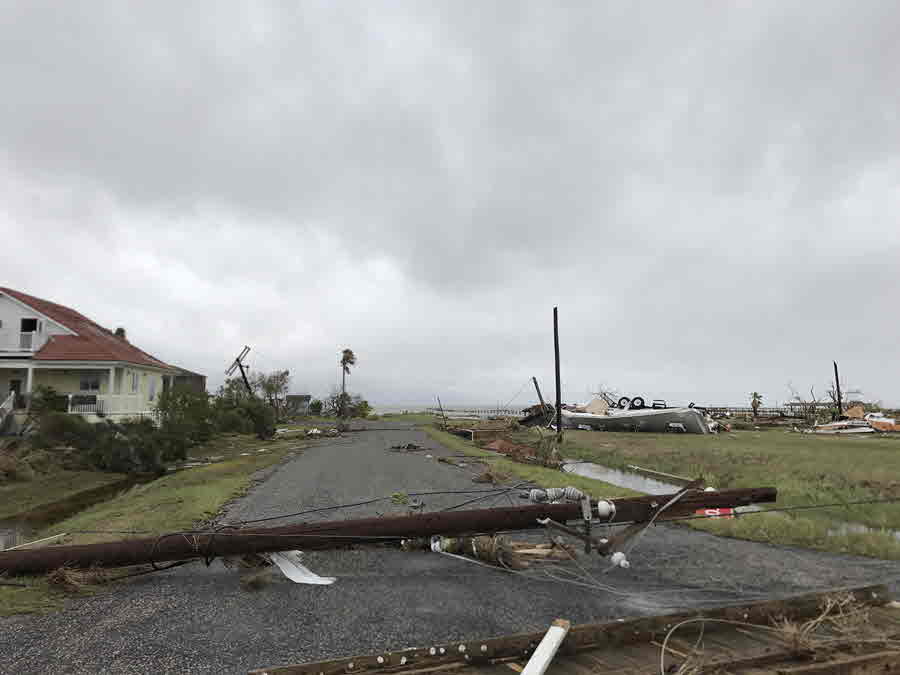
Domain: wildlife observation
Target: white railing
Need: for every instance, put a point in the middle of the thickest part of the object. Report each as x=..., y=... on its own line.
x=107, y=404
x=7, y=406
x=22, y=342
x=124, y=404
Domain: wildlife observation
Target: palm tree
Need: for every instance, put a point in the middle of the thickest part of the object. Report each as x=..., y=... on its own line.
x=348, y=358
x=755, y=400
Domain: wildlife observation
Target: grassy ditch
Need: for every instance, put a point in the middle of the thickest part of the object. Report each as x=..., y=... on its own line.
x=177, y=501
x=30, y=495
x=806, y=469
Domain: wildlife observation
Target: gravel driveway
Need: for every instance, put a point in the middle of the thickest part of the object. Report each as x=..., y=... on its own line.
x=198, y=619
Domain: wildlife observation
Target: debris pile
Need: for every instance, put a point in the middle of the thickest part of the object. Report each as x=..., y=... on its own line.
x=407, y=447
x=854, y=422
x=544, y=455
x=331, y=431
x=495, y=550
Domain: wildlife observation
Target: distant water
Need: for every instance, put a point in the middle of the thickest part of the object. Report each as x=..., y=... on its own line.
x=395, y=409
x=422, y=407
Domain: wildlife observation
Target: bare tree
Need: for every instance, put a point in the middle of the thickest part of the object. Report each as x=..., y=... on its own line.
x=809, y=407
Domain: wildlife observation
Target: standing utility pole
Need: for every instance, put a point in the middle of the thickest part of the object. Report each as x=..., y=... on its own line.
x=558, y=390
x=837, y=389
x=239, y=365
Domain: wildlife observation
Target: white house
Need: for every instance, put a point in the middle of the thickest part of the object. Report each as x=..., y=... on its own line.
x=100, y=372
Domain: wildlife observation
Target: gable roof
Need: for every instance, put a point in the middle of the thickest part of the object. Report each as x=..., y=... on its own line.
x=92, y=342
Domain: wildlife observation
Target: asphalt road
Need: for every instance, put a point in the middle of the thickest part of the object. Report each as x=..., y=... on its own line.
x=198, y=619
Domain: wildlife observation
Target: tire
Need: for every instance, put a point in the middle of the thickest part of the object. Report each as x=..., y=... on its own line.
x=624, y=401
x=637, y=402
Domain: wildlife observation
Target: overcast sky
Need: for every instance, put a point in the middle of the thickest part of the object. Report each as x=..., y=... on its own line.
x=707, y=190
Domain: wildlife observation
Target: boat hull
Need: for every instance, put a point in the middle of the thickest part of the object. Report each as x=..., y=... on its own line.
x=657, y=420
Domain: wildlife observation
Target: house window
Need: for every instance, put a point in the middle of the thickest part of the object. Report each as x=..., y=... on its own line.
x=29, y=325
x=134, y=382
x=90, y=383
x=152, y=389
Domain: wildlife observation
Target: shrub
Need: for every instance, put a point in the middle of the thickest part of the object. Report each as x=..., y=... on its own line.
x=232, y=421
x=13, y=468
x=261, y=415
x=315, y=407
x=132, y=446
x=56, y=429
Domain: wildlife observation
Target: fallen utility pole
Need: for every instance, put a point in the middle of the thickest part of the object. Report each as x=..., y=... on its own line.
x=341, y=533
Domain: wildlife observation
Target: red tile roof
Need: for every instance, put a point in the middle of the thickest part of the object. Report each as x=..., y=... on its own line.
x=92, y=342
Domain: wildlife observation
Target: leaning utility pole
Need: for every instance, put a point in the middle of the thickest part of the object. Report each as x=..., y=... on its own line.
x=238, y=364
x=224, y=541
x=540, y=398
x=558, y=390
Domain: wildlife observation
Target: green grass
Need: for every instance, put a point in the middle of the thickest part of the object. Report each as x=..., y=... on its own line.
x=21, y=496
x=177, y=501
x=806, y=469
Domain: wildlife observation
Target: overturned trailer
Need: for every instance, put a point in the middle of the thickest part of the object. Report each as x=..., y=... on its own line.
x=686, y=420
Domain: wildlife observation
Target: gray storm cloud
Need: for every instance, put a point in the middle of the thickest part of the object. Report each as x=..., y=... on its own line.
x=708, y=191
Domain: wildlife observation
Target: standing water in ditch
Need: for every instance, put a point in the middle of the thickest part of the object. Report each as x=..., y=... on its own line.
x=632, y=481
x=24, y=527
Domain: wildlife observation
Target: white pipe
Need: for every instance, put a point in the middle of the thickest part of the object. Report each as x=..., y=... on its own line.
x=546, y=650
x=37, y=541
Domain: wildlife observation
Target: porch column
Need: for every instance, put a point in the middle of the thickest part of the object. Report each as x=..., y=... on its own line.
x=112, y=380
x=29, y=383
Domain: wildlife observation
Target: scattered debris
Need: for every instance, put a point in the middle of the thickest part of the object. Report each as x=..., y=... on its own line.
x=492, y=476
x=73, y=580
x=545, y=454
x=407, y=447
x=290, y=564
x=496, y=550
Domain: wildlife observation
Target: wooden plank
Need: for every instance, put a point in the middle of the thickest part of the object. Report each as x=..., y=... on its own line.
x=882, y=662
x=585, y=636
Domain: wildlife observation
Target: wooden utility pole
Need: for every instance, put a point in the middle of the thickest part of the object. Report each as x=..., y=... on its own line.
x=558, y=390
x=341, y=533
x=837, y=389
x=238, y=364
x=441, y=407
x=538, y=390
